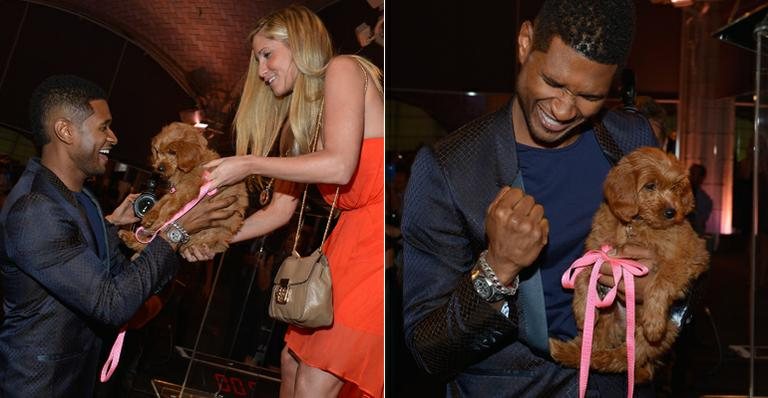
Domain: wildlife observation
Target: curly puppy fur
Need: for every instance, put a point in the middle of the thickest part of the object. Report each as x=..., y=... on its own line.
x=178, y=153
x=647, y=196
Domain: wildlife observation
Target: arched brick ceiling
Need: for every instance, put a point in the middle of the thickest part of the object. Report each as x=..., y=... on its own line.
x=155, y=58
x=201, y=43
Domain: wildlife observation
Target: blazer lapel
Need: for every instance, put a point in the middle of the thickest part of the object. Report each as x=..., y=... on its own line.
x=532, y=327
x=55, y=187
x=486, y=173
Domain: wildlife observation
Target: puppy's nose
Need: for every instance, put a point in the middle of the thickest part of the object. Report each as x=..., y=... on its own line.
x=669, y=213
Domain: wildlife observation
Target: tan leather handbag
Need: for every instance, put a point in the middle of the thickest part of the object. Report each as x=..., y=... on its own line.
x=302, y=293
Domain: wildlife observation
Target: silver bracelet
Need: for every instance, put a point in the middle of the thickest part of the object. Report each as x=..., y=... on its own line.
x=490, y=274
x=184, y=234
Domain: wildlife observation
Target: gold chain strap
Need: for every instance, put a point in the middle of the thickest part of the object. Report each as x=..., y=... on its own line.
x=318, y=122
x=365, y=74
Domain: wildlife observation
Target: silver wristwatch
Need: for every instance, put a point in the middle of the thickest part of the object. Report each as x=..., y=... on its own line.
x=176, y=234
x=487, y=284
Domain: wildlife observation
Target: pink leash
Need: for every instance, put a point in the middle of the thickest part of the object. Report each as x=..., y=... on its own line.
x=204, y=190
x=114, y=355
x=622, y=268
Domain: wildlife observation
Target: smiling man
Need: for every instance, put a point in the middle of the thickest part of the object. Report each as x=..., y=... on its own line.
x=66, y=284
x=497, y=211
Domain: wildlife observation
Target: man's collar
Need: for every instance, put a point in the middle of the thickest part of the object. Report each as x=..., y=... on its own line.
x=55, y=181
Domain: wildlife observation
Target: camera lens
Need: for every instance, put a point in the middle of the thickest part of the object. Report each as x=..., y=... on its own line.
x=143, y=204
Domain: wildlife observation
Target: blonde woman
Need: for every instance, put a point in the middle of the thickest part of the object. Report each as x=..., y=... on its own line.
x=292, y=77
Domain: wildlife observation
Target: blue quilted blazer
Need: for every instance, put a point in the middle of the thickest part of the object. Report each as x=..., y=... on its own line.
x=61, y=297
x=451, y=331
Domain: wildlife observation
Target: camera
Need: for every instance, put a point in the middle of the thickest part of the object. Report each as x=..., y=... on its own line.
x=146, y=199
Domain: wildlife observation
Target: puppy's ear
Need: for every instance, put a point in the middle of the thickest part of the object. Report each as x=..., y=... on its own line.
x=186, y=155
x=686, y=197
x=620, y=191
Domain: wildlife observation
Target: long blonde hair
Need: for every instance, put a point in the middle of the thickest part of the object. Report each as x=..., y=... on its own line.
x=260, y=114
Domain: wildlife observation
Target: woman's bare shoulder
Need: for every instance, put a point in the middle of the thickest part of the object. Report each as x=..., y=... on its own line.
x=342, y=66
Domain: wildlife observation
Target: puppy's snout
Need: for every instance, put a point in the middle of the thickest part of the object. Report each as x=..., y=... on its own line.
x=669, y=212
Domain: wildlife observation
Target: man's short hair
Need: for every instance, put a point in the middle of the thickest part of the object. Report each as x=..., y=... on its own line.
x=69, y=92
x=601, y=30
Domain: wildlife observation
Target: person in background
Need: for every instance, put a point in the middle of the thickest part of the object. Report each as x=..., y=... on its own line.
x=294, y=82
x=656, y=116
x=702, y=201
x=66, y=283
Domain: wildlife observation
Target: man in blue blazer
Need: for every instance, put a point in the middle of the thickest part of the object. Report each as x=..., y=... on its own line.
x=65, y=281
x=495, y=212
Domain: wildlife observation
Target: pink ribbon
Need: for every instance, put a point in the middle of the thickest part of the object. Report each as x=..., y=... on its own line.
x=621, y=268
x=114, y=355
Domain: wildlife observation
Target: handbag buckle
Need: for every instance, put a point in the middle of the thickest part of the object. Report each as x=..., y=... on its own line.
x=281, y=294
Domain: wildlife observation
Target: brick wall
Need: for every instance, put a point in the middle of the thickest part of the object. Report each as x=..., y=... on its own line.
x=201, y=43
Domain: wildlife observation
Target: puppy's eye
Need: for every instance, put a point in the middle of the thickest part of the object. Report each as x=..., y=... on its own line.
x=651, y=186
x=172, y=152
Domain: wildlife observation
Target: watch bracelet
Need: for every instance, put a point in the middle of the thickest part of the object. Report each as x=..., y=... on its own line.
x=490, y=274
x=184, y=234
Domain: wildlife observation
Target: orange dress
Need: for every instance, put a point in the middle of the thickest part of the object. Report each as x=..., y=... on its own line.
x=353, y=347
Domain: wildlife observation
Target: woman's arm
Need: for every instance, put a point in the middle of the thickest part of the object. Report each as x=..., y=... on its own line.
x=275, y=215
x=336, y=159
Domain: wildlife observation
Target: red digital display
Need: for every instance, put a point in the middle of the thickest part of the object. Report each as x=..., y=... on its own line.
x=234, y=385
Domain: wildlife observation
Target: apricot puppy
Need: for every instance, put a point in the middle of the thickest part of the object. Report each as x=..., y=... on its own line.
x=647, y=195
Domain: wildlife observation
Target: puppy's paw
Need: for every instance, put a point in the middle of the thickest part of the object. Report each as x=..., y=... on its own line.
x=130, y=240
x=219, y=247
x=654, y=328
x=150, y=218
x=643, y=373
x=567, y=353
x=126, y=236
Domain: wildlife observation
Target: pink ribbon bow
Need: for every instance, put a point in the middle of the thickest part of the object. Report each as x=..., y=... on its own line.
x=114, y=354
x=622, y=269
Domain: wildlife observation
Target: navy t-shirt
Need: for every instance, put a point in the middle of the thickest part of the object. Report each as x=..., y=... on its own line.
x=94, y=219
x=568, y=183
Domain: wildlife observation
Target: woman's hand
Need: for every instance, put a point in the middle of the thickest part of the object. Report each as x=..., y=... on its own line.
x=227, y=171
x=123, y=214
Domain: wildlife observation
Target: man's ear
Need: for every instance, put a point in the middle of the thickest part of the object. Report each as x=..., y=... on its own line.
x=524, y=41
x=63, y=130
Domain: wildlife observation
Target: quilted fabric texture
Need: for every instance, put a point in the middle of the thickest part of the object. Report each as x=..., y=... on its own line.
x=619, y=132
x=465, y=311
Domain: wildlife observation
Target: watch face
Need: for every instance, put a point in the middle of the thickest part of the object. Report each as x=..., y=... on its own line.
x=174, y=235
x=483, y=288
